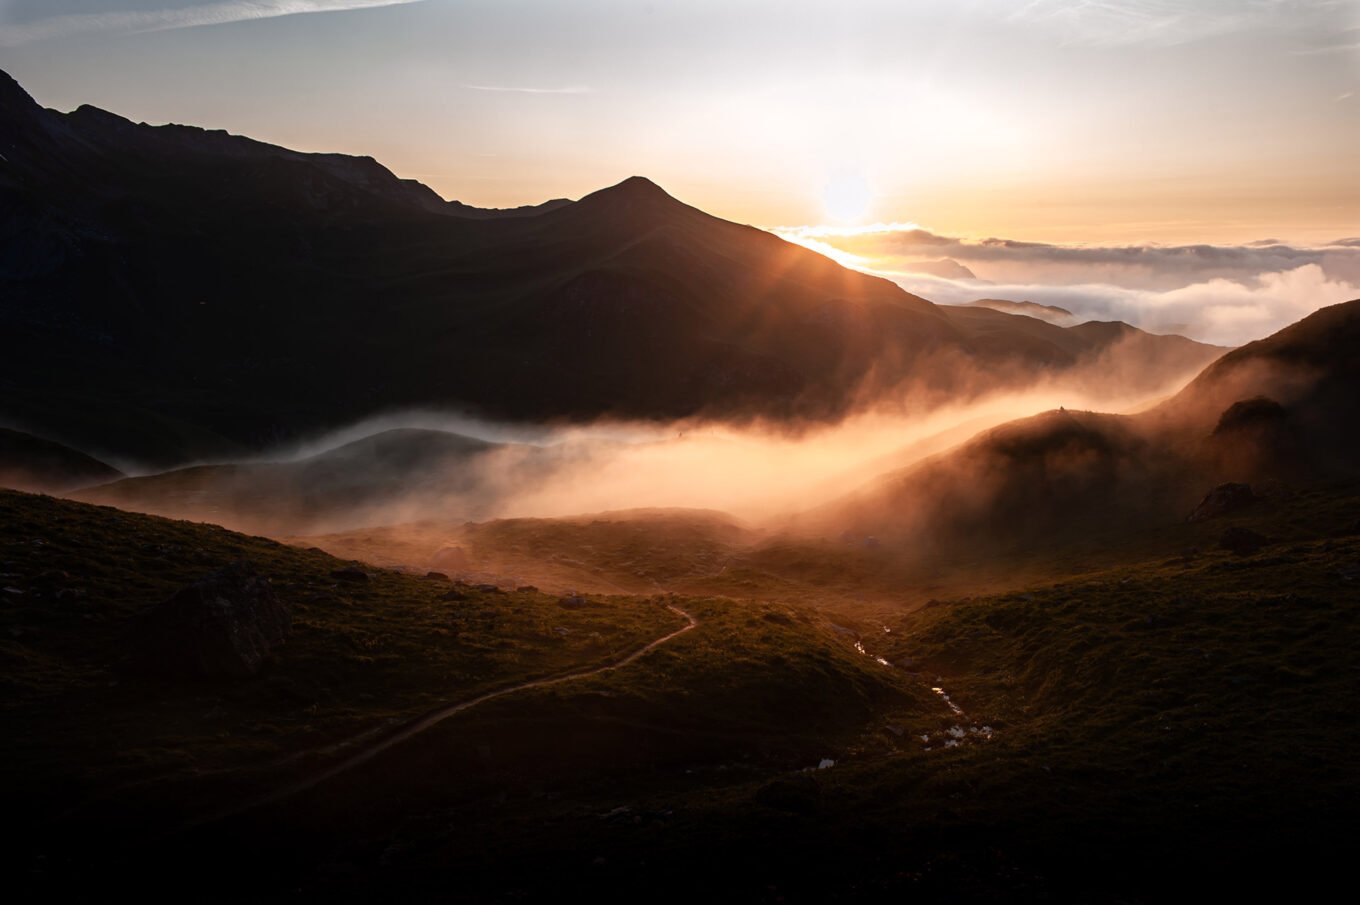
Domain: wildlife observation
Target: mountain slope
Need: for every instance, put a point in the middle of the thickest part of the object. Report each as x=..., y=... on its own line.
x=1283, y=409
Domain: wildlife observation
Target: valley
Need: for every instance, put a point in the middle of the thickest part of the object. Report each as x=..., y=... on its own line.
x=358, y=544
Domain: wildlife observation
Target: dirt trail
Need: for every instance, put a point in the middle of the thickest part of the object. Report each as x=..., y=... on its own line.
x=421, y=724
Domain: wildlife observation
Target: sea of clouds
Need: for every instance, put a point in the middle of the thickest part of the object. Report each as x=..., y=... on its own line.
x=1223, y=294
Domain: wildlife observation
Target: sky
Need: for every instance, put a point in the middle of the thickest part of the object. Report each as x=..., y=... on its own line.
x=1064, y=123
x=1057, y=120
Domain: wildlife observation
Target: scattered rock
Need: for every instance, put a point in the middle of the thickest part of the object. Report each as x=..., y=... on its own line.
x=487, y=588
x=1223, y=499
x=350, y=573
x=1242, y=541
x=436, y=576
x=455, y=594
x=225, y=625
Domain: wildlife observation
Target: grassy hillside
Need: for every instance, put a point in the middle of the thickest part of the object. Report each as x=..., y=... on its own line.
x=93, y=750
x=361, y=654
x=1169, y=729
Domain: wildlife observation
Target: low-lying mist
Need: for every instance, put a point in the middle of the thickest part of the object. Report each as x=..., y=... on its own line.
x=404, y=467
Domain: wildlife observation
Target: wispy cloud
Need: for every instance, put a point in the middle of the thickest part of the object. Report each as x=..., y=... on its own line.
x=569, y=89
x=134, y=21
x=1172, y=22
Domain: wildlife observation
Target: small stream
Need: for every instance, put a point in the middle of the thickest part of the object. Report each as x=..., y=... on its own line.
x=949, y=738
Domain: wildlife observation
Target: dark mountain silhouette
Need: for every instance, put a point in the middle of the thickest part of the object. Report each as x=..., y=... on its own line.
x=947, y=268
x=1051, y=313
x=1144, y=360
x=32, y=463
x=1282, y=410
x=172, y=293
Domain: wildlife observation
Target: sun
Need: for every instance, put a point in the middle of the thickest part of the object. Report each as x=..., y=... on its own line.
x=846, y=196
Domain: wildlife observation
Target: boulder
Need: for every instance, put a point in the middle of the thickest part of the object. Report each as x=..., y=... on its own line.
x=1223, y=499
x=225, y=625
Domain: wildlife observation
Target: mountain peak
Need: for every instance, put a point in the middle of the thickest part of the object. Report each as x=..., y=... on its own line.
x=638, y=185
x=13, y=98
x=634, y=188
x=636, y=195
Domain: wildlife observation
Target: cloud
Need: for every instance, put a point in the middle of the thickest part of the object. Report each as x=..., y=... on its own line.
x=1168, y=23
x=570, y=89
x=901, y=247
x=1224, y=294
x=134, y=21
x=1221, y=311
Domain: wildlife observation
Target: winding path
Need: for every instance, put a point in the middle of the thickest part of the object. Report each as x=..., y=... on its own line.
x=430, y=720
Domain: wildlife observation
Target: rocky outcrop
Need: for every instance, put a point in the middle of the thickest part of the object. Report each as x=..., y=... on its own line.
x=1223, y=499
x=225, y=625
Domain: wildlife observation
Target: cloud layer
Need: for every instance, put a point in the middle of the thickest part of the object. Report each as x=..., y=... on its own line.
x=1226, y=294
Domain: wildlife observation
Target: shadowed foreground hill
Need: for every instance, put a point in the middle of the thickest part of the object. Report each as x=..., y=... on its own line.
x=1175, y=723
x=171, y=294
x=106, y=764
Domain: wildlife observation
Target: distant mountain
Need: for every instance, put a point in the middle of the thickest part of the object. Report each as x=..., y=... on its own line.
x=1051, y=313
x=1282, y=410
x=173, y=294
x=1143, y=361
x=32, y=463
x=947, y=268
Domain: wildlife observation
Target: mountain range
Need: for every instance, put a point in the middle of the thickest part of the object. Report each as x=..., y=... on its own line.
x=173, y=294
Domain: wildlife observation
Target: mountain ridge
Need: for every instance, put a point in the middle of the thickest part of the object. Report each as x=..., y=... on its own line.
x=174, y=294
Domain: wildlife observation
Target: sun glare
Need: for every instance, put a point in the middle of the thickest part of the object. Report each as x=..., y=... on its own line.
x=846, y=197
